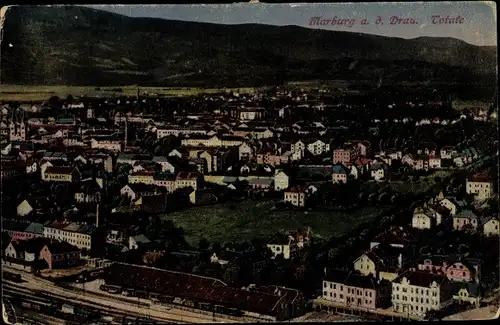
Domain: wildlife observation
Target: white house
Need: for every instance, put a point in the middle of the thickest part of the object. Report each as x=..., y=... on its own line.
x=480, y=186
x=281, y=181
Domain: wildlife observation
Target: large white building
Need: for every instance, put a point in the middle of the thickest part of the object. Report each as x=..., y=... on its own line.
x=416, y=293
x=79, y=235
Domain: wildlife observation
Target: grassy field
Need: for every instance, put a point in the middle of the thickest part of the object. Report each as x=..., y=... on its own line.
x=39, y=93
x=248, y=219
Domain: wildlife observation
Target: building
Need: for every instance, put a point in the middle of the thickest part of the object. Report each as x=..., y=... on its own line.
x=110, y=143
x=296, y=196
x=79, y=235
x=351, y=289
x=346, y=156
x=453, y=205
x=281, y=181
x=224, y=141
x=429, y=217
x=479, y=185
x=340, y=174
x=490, y=227
x=468, y=293
x=380, y=258
x=142, y=176
x=165, y=180
x=281, y=244
x=60, y=255
x=416, y=293
x=271, y=303
x=61, y=174
x=137, y=190
x=466, y=218
x=188, y=179
x=318, y=147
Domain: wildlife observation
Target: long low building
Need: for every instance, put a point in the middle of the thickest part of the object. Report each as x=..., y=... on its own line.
x=270, y=303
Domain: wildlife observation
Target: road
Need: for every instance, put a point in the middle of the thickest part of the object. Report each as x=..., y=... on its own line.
x=107, y=304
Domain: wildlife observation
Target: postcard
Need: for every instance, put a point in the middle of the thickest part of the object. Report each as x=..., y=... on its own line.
x=249, y=162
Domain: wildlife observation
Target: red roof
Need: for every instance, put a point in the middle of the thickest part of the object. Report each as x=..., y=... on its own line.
x=190, y=286
x=479, y=178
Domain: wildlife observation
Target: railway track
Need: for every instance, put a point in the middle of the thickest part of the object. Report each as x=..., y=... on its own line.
x=42, y=297
x=180, y=315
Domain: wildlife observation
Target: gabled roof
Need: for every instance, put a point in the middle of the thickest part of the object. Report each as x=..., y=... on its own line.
x=422, y=279
x=61, y=247
x=35, y=228
x=469, y=214
x=339, y=169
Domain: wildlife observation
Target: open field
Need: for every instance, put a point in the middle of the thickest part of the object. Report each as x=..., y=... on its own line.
x=241, y=221
x=40, y=93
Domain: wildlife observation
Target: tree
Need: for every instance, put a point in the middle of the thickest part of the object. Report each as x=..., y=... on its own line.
x=203, y=245
x=69, y=99
x=231, y=274
x=55, y=102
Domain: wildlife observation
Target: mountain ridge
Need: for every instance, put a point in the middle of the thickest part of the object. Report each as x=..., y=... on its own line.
x=84, y=46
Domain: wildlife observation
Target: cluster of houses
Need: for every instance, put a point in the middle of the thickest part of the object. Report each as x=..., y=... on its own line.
x=235, y=146
x=388, y=275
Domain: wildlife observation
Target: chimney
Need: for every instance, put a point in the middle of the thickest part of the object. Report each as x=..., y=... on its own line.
x=97, y=216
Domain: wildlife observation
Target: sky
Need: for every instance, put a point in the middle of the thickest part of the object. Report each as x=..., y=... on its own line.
x=478, y=24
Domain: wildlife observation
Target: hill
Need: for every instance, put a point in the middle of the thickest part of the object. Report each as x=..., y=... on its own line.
x=83, y=46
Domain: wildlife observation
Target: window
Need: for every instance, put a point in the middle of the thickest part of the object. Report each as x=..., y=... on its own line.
x=331, y=285
x=330, y=294
x=325, y=293
x=341, y=296
x=324, y=285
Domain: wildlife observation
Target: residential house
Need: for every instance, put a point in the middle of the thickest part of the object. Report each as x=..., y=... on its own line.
x=263, y=183
x=152, y=203
x=364, y=147
x=90, y=192
x=397, y=237
x=165, y=180
x=466, y=218
x=110, y=143
x=282, y=244
x=135, y=241
x=416, y=293
x=281, y=180
x=429, y=217
x=61, y=174
x=245, y=152
x=188, y=179
x=224, y=141
x=468, y=293
x=339, y=174
x=427, y=148
x=455, y=268
x=379, y=259
x=490, y=226
x=60, y=255
x=296, y=196
x=137, y=190
x=453, y=205
x=80, y=235
x=351, y=289
x=346, y=155
x=318, y=147
x=143, y=176
x=480, y=185
x=166, y=166
x=447, y=152
x=434, y=162
x=378, y=171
